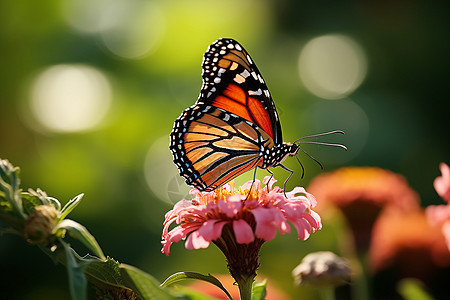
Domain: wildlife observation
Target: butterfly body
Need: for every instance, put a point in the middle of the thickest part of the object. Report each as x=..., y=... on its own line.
x=233, y=127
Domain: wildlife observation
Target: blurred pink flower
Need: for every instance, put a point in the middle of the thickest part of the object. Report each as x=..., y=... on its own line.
x=442, y=183
x=439, y=215
x=238, y=223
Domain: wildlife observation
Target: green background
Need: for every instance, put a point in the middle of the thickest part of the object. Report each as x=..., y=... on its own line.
x=404, y=97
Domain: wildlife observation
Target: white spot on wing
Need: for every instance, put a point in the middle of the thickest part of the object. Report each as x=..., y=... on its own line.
x=245, y=73
x=239, y=79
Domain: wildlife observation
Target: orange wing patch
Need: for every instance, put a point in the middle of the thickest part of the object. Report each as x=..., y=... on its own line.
x=212, y=177
x=235, y=93
x=202, y=164
x=236, y=143
x=260, y=114
x=200, y=127
x=235, y=100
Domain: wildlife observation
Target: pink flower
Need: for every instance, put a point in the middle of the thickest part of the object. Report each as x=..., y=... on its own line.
x=238, y=222
x=439, y=215
x=442, y=183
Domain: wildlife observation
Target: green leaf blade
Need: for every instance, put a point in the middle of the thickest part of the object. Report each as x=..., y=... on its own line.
x=80, y=232
x=145, y=285
x=67, y=209
x=193, y=275
x=259, y=290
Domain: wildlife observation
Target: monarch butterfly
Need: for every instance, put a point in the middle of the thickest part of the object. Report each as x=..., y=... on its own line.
x=233, y=127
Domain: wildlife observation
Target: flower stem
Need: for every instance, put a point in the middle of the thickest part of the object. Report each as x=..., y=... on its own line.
x=327, y=292
x=245, y=288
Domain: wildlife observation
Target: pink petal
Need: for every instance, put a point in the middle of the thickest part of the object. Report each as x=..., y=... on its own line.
x=248, y=184
x=211, y=230
x=303, y=229
x=196, y=241
x=437, y=214
x=442, y=183
x=232, y=205
x=174, y=236
x=268, y=220
x=243, y=232
x=446, y=232
x=269, y=180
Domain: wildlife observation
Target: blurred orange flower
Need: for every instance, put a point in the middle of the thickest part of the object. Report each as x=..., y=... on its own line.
x=228, y=283
x=361, y=193
x=408, y=244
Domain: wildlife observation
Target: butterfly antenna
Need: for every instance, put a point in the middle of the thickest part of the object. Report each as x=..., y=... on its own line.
x=300, y=140
x=320, y=134
x=301, y=165
x=324, y=144
x=313, y=158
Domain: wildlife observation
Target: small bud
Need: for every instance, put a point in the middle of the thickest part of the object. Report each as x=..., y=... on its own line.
x=322, y=268
x=40, y=223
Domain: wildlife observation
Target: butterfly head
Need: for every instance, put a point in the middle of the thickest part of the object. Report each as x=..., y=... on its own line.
x=286, y=150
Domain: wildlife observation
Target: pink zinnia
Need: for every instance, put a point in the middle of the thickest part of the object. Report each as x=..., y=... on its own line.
x=442, y=183
x=439, y=215
x=238, y=222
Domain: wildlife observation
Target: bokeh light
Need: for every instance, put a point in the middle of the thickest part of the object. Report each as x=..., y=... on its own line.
x=332, y=66
x=132, y=28
x=129, y=29
x=161, y=174
x=342, y=114
x=85, y=15
x=70, y=98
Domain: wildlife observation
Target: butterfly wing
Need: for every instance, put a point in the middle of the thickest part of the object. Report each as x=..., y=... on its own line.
x=232, y=81
x=211, y=147
x=225, y=133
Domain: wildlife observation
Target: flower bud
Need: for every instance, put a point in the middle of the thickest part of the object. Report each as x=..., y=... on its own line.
x=40, y=223
x=322, y=268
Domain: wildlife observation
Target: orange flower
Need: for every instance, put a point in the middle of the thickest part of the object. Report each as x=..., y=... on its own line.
x=228, y=282
x=361, y=193
x=409, y=244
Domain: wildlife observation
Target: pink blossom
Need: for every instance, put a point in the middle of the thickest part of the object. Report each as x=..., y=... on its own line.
x=248, y=218
x=439, y=215
x=442, y=183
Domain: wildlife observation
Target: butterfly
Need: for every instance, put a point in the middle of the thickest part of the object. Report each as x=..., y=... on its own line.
x=233, y=127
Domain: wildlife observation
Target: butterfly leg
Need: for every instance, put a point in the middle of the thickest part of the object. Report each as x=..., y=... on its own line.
x=271, y=176
x=254, y=178
x=287, y=179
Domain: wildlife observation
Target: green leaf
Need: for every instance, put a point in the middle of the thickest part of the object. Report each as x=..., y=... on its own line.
x=193, y=294
x=259, y=290
x=70, y=206
x=413, y=289
x=77, y=279
x=145, y=285
x=79, y=232
x=10, y=187
x=41, y=198
x=192, y=275
x=29, y=202
x=107, y=279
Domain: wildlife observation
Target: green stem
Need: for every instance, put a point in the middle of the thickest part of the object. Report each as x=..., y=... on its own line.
x=361, y=286
x=327, y=292
x=245, y=288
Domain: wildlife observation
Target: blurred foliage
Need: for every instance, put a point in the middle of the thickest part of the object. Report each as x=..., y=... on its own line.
x=404, y=96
